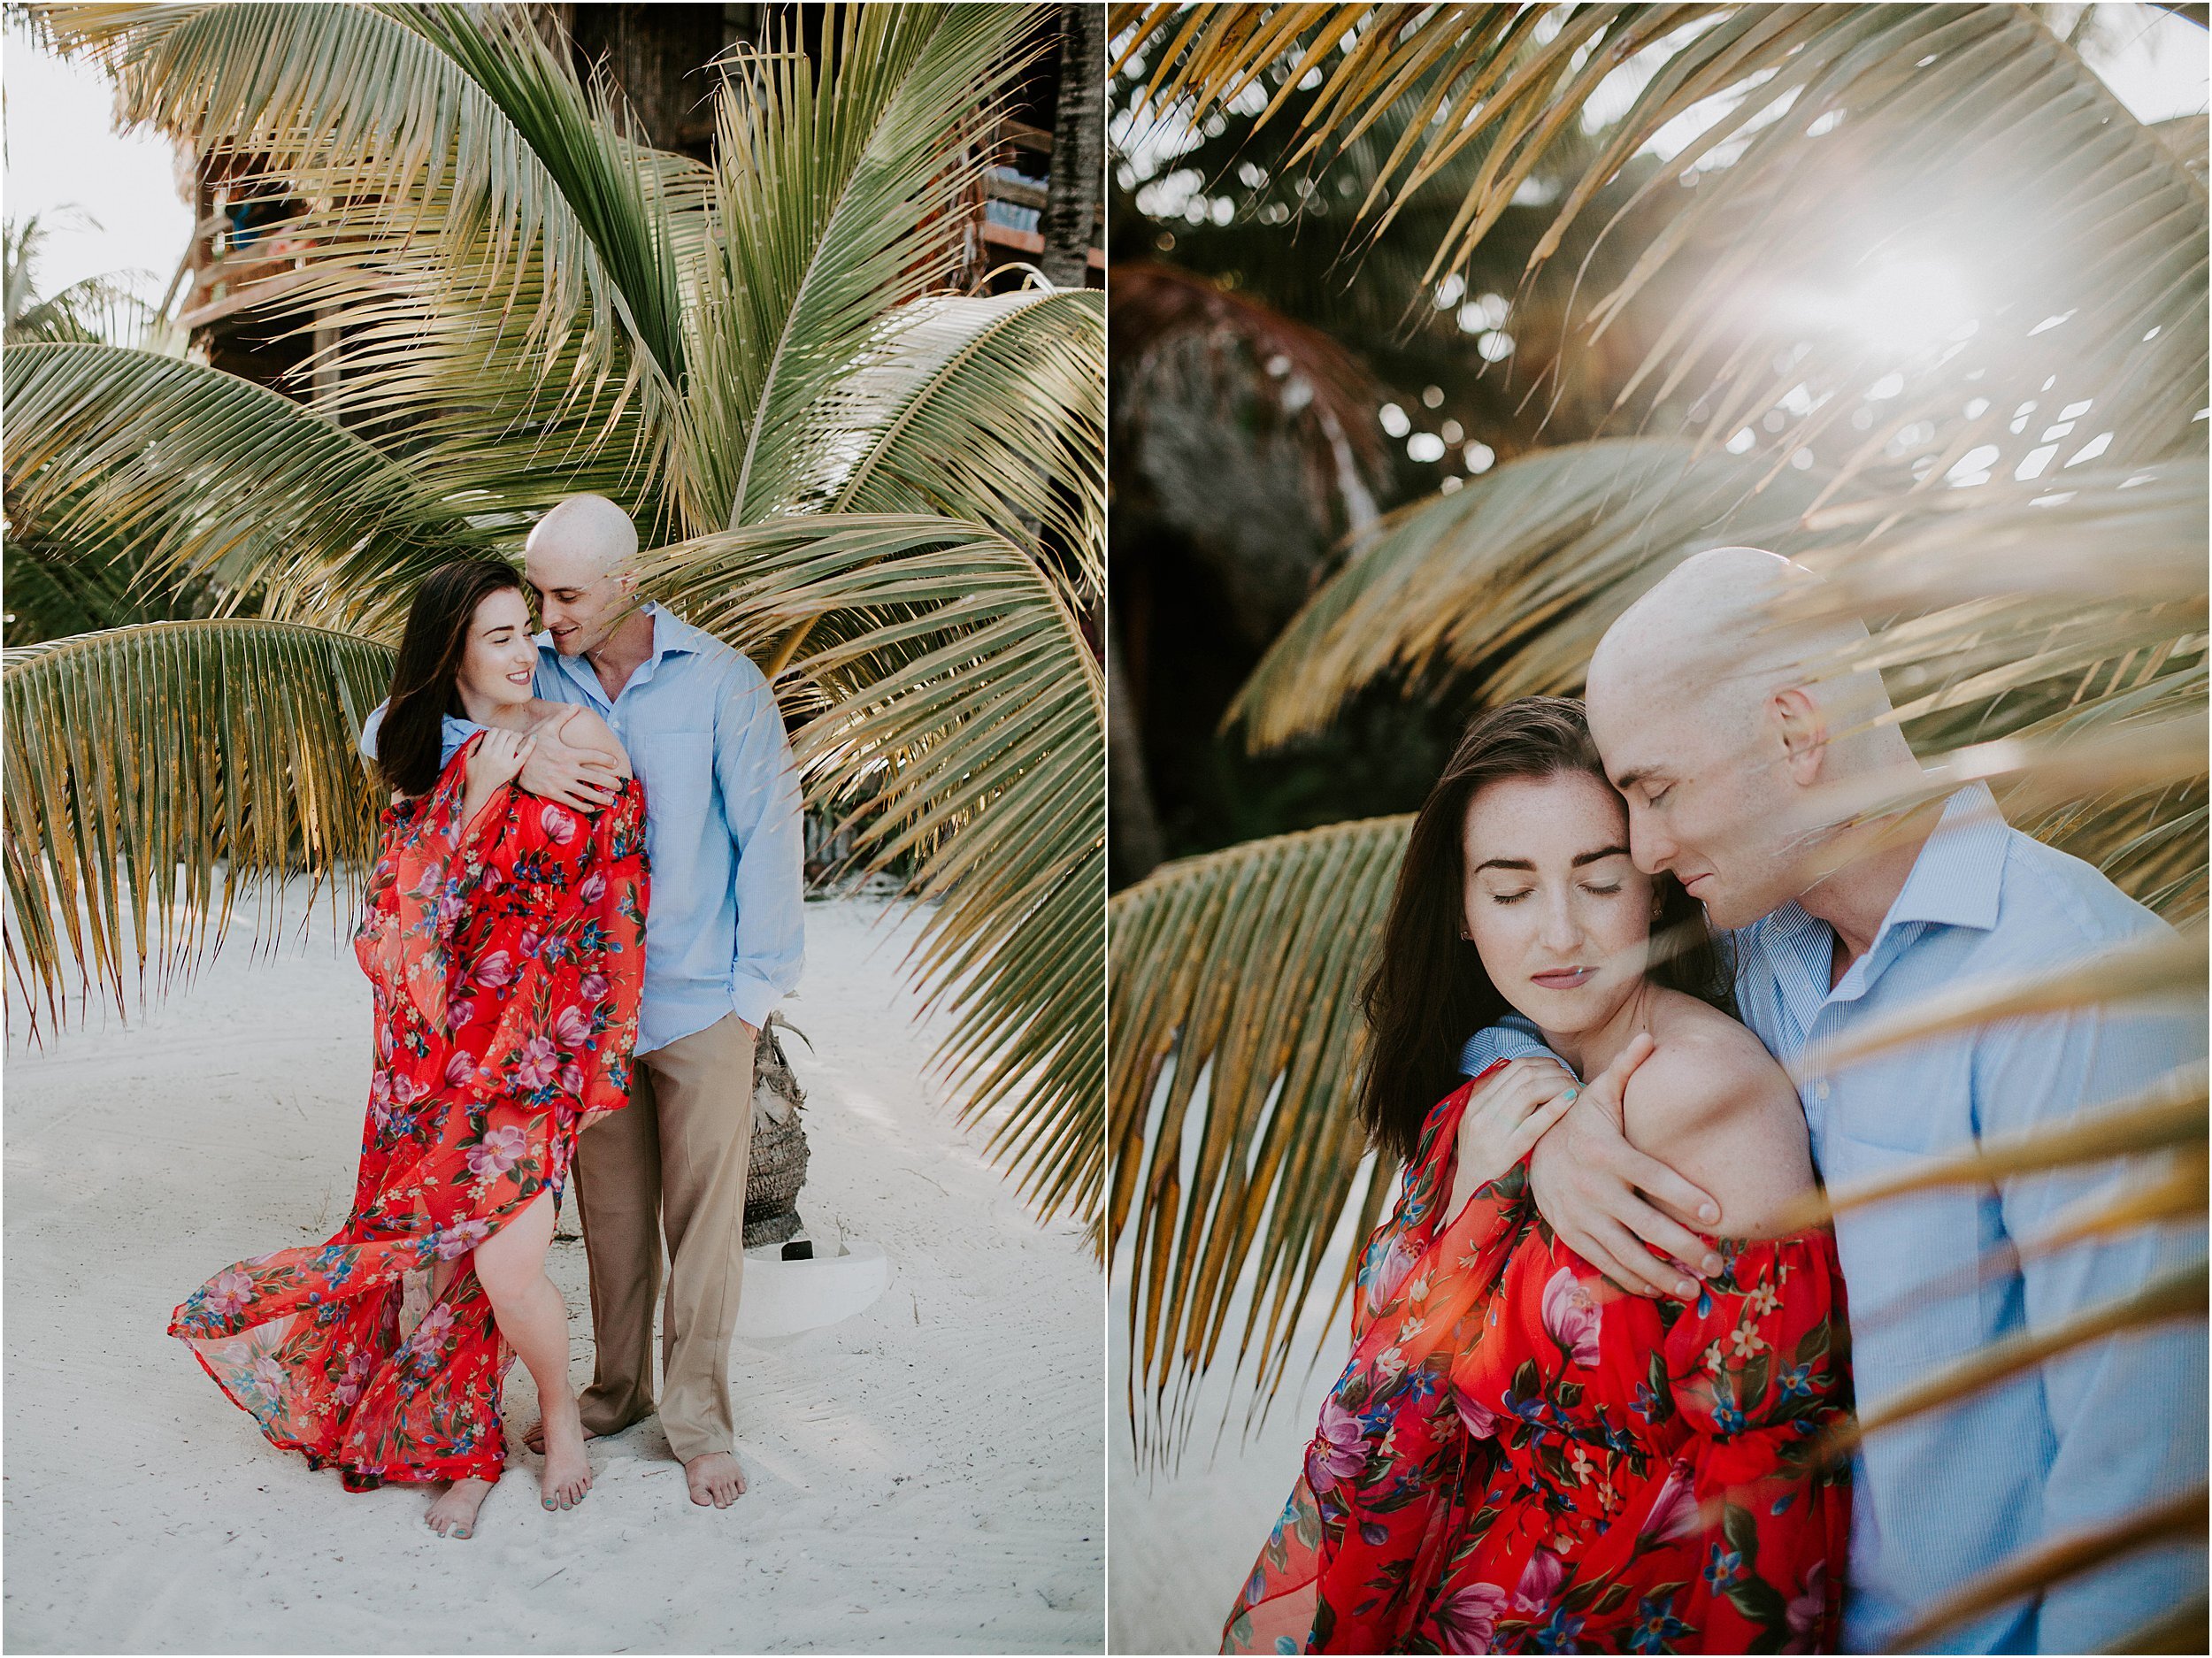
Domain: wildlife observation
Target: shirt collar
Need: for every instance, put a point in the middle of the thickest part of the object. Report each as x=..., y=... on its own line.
x=672, y=635
x=1955, y=881
x=1958, y=877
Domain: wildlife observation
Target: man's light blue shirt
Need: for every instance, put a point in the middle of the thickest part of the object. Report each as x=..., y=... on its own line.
x=726, y=932
x=2089, y=1436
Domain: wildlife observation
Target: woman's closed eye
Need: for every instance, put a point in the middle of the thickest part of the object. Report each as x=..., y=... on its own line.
x=1603, y=892
x=1511, y=898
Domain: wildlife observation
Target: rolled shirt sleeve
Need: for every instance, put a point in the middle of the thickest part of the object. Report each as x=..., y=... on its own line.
x=760, y=798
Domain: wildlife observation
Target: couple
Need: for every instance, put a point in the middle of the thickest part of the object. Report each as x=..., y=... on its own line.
x=529, y=979
x=1520, y=1457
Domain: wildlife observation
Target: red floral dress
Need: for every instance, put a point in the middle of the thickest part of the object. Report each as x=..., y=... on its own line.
x=507, y=973
x=1519, y=1458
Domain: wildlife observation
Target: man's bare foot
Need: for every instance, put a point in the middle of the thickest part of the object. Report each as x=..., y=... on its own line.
x=454, y=1513
x=714, y=1478
x=566, y=1475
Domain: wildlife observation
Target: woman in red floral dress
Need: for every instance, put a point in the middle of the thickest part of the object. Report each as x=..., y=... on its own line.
x=1518, y=1457
x=502, y=937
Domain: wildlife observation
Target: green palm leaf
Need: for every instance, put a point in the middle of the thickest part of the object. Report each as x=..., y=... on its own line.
x=961, y=726
x=497, y=261
x=201, y=474
x=426, y=104
x=156, y=772
x=1993, y=629
x=1236, y=1041
x=845, y=179
x=988, y=409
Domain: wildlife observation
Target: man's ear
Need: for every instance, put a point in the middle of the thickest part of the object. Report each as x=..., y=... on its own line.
x=1803, y=729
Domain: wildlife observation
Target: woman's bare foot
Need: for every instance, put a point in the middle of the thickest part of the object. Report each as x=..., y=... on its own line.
x=454, y=1513
x=566, y=1475
x=714, y=1478
x=533, y=1436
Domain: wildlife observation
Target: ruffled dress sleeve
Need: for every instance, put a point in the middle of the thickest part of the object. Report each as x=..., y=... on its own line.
x=1343, y=1568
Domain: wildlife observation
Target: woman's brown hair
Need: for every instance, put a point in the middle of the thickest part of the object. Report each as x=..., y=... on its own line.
x=1428, y=992
x=426, y=678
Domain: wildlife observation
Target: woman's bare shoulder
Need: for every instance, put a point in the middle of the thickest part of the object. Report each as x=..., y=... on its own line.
x=1712, y=1104
x=583, y=727
x=1704, y=1064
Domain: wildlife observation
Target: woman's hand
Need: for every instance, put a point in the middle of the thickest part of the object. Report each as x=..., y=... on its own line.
x=491, y=765
x=1505, y=1118
x=498, y=758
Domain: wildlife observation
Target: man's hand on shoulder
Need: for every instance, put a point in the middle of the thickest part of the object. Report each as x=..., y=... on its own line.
x=581, y=778
x=1585, y=1177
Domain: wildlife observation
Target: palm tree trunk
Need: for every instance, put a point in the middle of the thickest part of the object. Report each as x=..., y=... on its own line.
x=1072, y=193
x=1132, y=824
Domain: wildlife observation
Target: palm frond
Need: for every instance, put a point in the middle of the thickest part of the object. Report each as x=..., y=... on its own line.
x=2078, y=233
x=2182, y=1630
x=844, y=177
x=156, y=772
x=1181, y=339
x=2034, y=1571
x=990, y=410
x=2168, y=1115
x=961, y=726
x=2160, y=967
x=1517, y=574
x=490, y=251
x=1235, y=1038
x=2173, y=1296
x=1990, y=629
x=203, y=475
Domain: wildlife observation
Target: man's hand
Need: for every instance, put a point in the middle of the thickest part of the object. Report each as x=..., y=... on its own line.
x=1585, y=1177
x=583, y=780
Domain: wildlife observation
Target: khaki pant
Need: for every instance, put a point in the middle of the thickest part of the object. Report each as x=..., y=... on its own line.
x=672, y=1161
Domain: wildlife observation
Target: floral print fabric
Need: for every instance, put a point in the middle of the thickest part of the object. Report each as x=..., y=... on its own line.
x=1519, y=1458
x=506, y=974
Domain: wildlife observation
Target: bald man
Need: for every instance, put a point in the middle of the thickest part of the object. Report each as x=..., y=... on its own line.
x=1732, y=730
x=723, y=941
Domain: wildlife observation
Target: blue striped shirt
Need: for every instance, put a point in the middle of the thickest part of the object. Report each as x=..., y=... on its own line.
x=2102, y=1432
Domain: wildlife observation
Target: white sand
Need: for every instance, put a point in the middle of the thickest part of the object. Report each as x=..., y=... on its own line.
x=1186, y=1534
x=924, y=1477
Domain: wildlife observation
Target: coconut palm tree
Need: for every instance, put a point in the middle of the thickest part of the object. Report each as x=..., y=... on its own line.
x=1938, y=329
x=888, y=492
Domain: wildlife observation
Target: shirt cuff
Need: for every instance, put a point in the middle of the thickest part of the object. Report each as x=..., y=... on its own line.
x=753, y=998
x=1512, y=1037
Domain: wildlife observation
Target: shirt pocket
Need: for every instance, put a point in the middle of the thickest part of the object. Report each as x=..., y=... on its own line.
x=676, y=767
